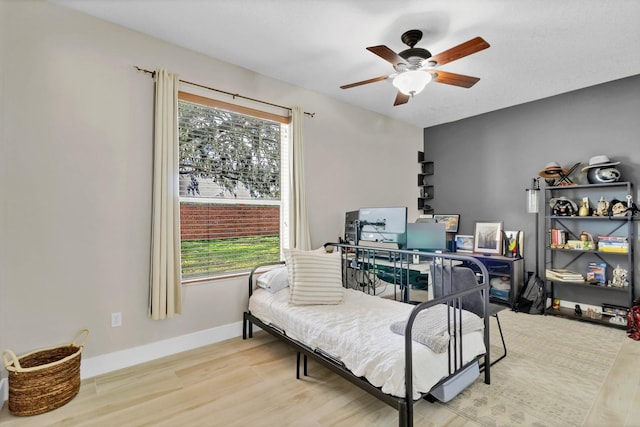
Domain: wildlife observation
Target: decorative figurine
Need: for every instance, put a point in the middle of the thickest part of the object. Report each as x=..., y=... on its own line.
x=587, y=241
x=619, y=279
x=618, y=208
x=602, y=208
x=561, y=206
x=584, y=209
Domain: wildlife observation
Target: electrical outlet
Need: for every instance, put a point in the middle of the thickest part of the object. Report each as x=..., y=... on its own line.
x=116, y=319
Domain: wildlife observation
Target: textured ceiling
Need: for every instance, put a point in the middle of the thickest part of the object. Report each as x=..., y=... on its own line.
x=539, y=48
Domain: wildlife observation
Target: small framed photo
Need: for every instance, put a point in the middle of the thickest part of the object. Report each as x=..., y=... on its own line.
x=514, y=243
x=450, y=221
x=464, y=243
x=487, y=238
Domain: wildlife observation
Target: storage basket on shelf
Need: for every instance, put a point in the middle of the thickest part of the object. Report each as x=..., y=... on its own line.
x=45, y=379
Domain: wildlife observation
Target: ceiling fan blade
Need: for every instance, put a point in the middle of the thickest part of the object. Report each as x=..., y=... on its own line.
x=401, y=98
x=364, y=82
x=453, y=78
x=387, y=54
x=460, y=51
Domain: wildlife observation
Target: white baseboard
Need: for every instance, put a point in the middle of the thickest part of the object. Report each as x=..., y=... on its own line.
x=4, y=390
x=99, y=365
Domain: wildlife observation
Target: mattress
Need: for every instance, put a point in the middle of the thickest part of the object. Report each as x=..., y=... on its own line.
x=357, y=332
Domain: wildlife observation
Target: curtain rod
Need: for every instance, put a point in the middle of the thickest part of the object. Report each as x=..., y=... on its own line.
x=234, y=95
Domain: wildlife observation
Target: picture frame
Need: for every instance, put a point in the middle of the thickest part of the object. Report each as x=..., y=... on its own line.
x=514, y=240
x=487, y=238
x=451, y=221
x=464, y=243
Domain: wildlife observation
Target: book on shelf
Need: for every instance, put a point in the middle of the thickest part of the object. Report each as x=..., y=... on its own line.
x=619, y=244
x=558, y=237
x=597, y=271
x=564, y=274
x=614, y=248
x=619, y=239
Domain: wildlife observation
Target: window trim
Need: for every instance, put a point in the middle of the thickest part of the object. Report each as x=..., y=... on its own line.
x=197, y=99
x=198, y=280
x=221, y=201
x=283, y=120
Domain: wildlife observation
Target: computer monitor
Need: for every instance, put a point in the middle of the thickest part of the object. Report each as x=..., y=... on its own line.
x=350, y=227
x=426, y=219
x=426, y=236
x=387, y=225
x=451, y=221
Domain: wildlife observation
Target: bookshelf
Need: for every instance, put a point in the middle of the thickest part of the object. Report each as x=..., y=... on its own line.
x=597, y=248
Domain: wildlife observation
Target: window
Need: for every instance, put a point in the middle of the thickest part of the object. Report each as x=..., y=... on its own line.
x=232, y=187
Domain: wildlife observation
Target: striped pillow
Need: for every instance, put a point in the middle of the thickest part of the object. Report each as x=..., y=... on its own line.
x=315, y=277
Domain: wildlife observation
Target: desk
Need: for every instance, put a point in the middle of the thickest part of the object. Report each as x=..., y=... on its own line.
x=506, y=276
x=395, y=273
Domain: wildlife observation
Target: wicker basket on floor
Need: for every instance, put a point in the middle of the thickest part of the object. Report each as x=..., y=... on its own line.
x=45, y=379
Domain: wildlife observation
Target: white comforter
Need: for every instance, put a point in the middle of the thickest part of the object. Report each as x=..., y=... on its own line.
x=357, y=333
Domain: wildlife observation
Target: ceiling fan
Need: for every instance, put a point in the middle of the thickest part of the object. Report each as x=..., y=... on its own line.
x=415, y=67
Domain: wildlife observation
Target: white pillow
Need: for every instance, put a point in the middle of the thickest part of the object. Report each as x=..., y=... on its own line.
x=274, y=280
x=315, y=277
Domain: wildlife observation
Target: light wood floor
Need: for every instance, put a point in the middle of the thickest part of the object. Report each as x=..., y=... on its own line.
x=252, y=383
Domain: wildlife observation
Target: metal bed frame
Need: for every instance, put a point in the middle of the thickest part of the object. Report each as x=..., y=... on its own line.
x=396, y=272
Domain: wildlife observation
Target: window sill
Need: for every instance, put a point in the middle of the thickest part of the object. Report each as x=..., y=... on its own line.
x=214, y=278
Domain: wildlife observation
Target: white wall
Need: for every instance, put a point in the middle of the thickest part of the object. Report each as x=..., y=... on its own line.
x=75, y=177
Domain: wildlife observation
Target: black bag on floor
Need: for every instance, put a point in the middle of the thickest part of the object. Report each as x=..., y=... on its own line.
x=531, y=299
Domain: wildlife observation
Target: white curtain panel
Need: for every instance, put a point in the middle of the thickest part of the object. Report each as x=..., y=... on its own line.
x=299, y=237
x=165, y=293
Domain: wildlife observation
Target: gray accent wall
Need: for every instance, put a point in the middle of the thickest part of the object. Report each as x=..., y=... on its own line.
x=483, y=164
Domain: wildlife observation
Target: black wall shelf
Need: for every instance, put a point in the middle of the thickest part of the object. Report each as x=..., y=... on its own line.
x=426, y=188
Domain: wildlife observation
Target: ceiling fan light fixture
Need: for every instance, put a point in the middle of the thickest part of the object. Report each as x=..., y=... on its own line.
x=412, y=82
